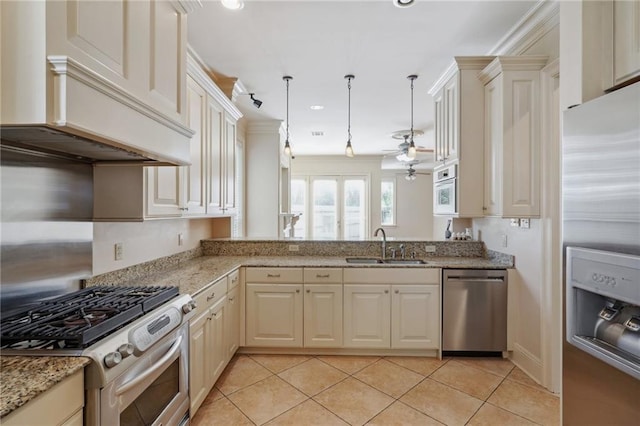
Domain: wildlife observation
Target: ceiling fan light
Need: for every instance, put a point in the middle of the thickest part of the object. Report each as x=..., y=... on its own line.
x=403, y=3
x=411, y=152
x=233, y=4
x=349, y=150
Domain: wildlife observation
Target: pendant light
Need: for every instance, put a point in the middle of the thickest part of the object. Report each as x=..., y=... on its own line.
x=411, y=152
x=349, y=149
x=287, y=145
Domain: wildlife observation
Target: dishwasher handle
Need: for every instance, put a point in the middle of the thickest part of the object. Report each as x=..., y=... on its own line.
x=476, y=279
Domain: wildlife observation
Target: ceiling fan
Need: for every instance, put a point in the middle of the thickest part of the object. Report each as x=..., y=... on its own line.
x=401, y=152
x=412, y=173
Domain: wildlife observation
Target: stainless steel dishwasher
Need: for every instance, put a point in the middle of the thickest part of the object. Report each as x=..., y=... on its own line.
x=474, y=310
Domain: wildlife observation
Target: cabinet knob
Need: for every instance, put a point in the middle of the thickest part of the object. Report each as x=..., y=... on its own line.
x=273, y=275
x=308, y=291
x=397, y=291
x=322, y=275
x=213, y=295
x=386, y=292
x=231, y=299
x=297, y=290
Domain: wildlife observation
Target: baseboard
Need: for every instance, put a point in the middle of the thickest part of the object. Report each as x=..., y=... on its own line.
x=527, y=362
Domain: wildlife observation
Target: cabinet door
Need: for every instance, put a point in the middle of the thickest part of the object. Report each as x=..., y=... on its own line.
x=439, y=127
x=164, y=191
x=199, y=369
x=323, y=315
x=195, y=174
x=218, y=353
x=232, y=326
x=229, y=170
x=367, y=316
x=452, y=117
x=415, y=317
x=274, y=315
x=626, y=40
x=215, y=123
x=493, y=147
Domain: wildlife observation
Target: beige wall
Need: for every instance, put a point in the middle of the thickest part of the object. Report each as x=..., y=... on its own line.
x=144, y=241
x=414, y=206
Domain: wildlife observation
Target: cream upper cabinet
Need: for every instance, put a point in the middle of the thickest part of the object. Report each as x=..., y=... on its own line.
x=274, y=307
x=204, y=188
x=512, y=136
x=459, y=121
x=626, y=41
x=415, y=316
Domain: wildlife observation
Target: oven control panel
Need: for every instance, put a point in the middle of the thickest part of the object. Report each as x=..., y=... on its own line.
x=158, y=326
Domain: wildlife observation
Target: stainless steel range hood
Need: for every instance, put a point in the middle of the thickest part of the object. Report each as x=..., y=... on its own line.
x=79, y=146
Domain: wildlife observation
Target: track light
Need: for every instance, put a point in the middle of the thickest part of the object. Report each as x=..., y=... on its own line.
x=256, y=102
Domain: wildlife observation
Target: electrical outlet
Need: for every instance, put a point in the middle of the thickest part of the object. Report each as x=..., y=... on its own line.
x=294, y=247
x=504, y=240
x=430, y=249
x=118, y=251
x=180, y=239
x=515, y=222
x=524, y=223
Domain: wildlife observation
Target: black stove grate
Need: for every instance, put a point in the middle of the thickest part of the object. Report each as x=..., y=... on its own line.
x=79, y=319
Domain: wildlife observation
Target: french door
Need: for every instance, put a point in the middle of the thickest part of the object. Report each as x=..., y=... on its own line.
x=332, y=207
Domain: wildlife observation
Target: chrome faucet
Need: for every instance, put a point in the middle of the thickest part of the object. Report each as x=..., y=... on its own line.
x=402, y=251
x=384, y=241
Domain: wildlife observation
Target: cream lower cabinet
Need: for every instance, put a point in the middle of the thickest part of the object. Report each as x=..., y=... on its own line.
x=323, y=307
x=392, y=308
x=232, y=325
x=60, y=405
x=207, y=352
x=367, y=315
x=415, y=316
x=274, y=307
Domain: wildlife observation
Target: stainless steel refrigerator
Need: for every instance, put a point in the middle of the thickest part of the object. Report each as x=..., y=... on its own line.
x=601, y=249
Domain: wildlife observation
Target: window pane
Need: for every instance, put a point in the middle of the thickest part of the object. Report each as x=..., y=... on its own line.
x=325, y=209
x=354, y=209
x=298, y=204
x=387, y=202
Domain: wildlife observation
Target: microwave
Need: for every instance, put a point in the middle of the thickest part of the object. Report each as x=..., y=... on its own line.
x=445, y=191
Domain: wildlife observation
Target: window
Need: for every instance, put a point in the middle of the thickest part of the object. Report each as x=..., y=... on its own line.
x=332, y=207
x=388, y=201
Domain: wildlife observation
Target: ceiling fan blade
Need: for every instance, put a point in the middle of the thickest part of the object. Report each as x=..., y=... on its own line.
x=419, y=149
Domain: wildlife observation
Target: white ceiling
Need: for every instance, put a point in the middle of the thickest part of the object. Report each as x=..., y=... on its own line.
x=318, y=42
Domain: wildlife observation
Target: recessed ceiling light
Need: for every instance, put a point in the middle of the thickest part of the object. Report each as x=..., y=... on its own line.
x=403, y=3
x=233, y=4
x=317, y=133
x=316, y=107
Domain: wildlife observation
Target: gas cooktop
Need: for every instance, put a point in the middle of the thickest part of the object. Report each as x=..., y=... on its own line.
x=78, y=319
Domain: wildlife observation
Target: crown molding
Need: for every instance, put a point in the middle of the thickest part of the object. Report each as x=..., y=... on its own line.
x=540, y=19
x=512, y=63
x=460, y=63
x=186, y=6
x=266, y=126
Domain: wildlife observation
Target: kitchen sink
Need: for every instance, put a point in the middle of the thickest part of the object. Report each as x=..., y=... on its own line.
x=405, y=261
x=363, y=260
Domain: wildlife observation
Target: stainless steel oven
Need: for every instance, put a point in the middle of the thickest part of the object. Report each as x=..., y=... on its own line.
x=445, y=191
x=603, y=306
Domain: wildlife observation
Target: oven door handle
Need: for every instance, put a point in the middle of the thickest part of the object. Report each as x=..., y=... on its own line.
x=158, y=365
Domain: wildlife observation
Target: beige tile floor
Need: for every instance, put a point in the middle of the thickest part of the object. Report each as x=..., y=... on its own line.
x=357, y=390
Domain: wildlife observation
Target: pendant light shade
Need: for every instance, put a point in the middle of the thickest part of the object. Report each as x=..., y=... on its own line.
x=287, y=145
x=411, y=152
x=349, y=149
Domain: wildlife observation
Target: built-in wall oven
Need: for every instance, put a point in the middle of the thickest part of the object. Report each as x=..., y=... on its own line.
x=603, y=306
x=445, y=190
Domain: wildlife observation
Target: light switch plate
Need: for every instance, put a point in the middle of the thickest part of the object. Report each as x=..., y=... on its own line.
x=504, y=240
x=515, y=222
x=430, y=249
x=524, y=223
x=294, y=247
x=118, y=251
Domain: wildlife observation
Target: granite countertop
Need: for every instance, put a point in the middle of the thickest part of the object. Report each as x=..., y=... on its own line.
x=194, y=275
x=25, y=377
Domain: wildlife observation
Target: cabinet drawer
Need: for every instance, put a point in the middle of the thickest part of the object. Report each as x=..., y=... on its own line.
x=274, y=275
x=210, y=295
x=323, y=275
x=392, y=275
x=234, y=279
